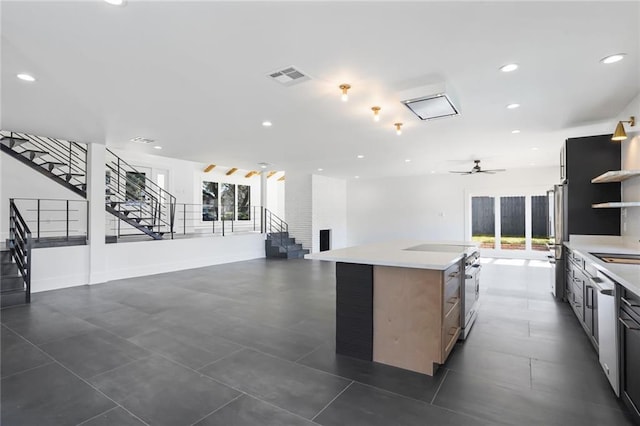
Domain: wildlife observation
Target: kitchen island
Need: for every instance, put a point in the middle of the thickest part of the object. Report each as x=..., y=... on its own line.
x=399, y=303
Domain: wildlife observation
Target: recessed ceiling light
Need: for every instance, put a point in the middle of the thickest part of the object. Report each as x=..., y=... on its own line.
x=357, y=177
x=26, y=77
x=515, y=132
x=407, y=160
x=513, y=106
x=115, y=2
x=612, y=59
x=267, y=123
x=263, y=165
x=509, y=67
x=433, y=171
x=320, y=169
x=534, y=148
x=157, y=147
x=360, y=156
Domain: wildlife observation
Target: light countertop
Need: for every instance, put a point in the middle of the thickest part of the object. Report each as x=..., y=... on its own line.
x=626, y=275
x=395, y=253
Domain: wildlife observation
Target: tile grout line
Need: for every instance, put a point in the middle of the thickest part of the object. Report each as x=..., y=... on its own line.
x=228, y=385
x=446, y=372
x=331, y=402
x=216, y=360
x=51, y=361
x=309, y=353
x=102, y=393
x=218, y=409
x=96, y=416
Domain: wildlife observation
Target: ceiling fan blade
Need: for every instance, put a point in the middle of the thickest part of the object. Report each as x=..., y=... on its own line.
x=495, y=170
x=459, y=172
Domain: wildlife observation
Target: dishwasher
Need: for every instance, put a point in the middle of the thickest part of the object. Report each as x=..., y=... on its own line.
x=607, y=328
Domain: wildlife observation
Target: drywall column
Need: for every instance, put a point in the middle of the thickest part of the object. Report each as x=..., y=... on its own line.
x=298, y=207
x=263, y=190
x=96, y=160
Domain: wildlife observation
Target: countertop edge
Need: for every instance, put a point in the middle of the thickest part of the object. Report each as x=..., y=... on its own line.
x=584, y=250
x=439, y=267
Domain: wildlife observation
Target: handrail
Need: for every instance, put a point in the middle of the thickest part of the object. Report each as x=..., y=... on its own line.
x=70, y=154
x=46, y=214
x=20, y=243
x=154, y=201
x=275, y=225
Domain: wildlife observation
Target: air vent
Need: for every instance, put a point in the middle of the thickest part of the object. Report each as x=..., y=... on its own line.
x=142, y=140
x=289, y=76
x=430, y=102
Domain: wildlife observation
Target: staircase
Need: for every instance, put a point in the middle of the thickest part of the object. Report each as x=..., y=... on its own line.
x=15, y=262
x=141, y=203
x=278, y=243
x=136, y=200
x=62, y=161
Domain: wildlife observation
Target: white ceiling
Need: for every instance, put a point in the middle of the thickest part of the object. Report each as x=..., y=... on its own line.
x=192, y=76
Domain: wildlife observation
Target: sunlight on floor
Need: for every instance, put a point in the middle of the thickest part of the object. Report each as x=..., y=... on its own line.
x=539, y=264
x=510, y=262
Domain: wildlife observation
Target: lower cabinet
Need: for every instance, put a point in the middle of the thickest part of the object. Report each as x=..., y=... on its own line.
x=582, y=296
x=629, y=320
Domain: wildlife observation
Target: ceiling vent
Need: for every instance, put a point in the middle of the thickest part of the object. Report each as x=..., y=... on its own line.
x=142, y=140
x=289, y=76
x=430, y=102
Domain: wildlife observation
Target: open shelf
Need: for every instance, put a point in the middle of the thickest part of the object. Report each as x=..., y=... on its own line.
x=618, y=204
x=615, y=176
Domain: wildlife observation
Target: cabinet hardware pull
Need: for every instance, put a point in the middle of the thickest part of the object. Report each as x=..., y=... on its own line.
x=629, y=304
x=628, y=326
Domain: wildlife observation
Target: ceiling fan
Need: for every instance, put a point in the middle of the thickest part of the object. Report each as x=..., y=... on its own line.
x=477, y=169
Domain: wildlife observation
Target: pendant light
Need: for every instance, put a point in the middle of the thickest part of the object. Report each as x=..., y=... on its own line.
x=376, y=113
x=345, y=88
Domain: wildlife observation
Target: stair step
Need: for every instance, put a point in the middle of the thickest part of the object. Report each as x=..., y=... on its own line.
x=8, y=268
x=11, y=141
x=5, y=256
x=50, y=165
x=13, y=298
x=11, y=283
x=33, y=153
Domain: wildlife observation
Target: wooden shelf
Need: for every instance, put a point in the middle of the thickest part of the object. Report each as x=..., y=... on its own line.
x=615, y=176
x=615, y=205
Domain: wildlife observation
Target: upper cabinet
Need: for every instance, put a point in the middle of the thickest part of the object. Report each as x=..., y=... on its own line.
x=584, y=158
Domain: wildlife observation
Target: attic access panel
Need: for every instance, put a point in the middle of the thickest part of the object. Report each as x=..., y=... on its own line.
x=431, y=107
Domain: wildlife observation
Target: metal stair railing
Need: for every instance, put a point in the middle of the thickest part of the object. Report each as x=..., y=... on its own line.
x=150, y=202
x=69, y=157
x=20, y=243
x=275, y=225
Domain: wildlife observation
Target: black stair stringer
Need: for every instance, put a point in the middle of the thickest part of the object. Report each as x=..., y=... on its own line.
x=25, y=160
x=133, y=222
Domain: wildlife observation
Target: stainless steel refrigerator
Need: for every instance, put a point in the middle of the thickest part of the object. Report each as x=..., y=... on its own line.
x=557, y=232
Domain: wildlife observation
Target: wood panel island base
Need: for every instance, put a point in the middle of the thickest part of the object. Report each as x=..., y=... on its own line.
x=405, y=317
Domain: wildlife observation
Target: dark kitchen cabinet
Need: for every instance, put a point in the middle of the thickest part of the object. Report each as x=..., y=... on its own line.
x=581, y=295
x=629, y=323
x=584, y=159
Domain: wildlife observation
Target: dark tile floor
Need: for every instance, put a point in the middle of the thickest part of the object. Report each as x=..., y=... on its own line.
x=252, y=343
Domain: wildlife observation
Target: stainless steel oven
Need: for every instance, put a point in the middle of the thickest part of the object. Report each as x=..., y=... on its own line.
x=471, y=293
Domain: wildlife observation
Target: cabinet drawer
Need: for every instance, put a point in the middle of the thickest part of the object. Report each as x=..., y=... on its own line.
x=451, y=294
x=450, y=330
x=452, y=272
x=630, y=303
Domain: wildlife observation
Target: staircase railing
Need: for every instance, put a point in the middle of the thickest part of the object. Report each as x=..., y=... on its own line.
x=20, y=243
x=68, y=157
x=276, y=227
x=126, y=188
x=55, y=220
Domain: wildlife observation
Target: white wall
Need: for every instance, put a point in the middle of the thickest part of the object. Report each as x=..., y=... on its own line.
x=631, y=161
x=430, y=207
x=329, y=206
x=298, y=207
x=61, y=267
x=20, y=181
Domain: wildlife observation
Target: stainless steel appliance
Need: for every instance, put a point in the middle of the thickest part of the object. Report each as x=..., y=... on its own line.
x=558, y=286
x=607, y=327
x=471, y=293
